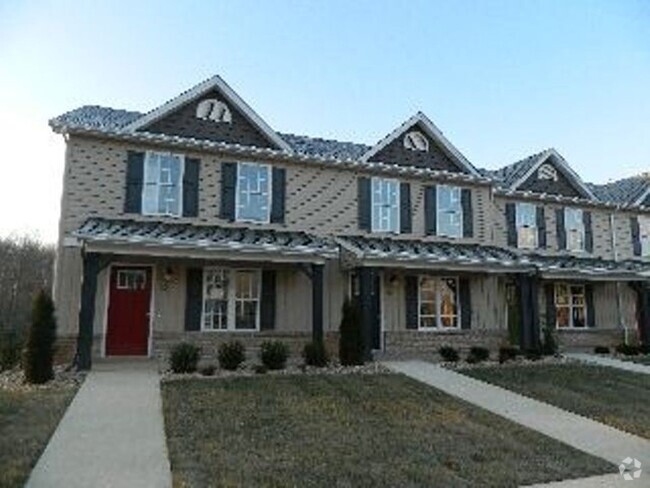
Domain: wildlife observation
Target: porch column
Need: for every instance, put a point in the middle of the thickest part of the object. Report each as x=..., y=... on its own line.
x=643, y=292
x=366, y=276
x=91, y=266
x=317, y=302
x=529, y=303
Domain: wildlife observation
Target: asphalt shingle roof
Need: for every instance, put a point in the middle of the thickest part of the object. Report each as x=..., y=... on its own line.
x=507, y=175
x=627, y=190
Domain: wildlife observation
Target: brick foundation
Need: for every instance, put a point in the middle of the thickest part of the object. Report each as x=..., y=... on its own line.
x=587, y=339
x=421, y=344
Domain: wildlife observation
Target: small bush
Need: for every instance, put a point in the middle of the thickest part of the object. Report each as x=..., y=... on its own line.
x=315, y=354
x=549, y=343
x=10, y=348
x=601, y=350
x=274, y=354
x=533, y=354
x=507, y=353
x=478, y=354
x=184, y=358
x=644, y=349
x=208, y=370
x=39, y=351
x=260, y=369
x=627, y=349
x=449, y=354
x=231, y=355
x=351, y=350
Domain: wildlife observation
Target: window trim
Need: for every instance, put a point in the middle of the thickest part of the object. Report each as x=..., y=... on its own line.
x=644, y=220
x=571, y=306
x=269, y=170
x=181, y=178
x=567, y=229
x=460, y=212
x=518, y=205
x=398, y=223
x=439, y=327
x=231, y=309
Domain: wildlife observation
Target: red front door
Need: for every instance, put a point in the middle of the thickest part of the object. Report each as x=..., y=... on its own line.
x=127, y=331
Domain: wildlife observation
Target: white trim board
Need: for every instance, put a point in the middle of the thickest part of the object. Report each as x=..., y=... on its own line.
x=216, y=82
x=432, y=131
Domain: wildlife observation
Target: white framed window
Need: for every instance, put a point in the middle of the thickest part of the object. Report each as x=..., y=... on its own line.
x=231, y=299
x=574, y=227
x=438, y=303
x=644, y=235
x=385, y=205
x=162, y=190
x=450, y=211
x=253, y=195
x=570, y=306
x=526, y=218
x=416, y=141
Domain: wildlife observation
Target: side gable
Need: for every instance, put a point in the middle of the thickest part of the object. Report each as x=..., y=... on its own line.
x=439, y=155
x=211, y=111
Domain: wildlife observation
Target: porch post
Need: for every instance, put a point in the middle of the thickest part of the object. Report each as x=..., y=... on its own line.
x=644, y=312
x=529, y=308
x=317, y=302
x=366, y=309
x=91, y=267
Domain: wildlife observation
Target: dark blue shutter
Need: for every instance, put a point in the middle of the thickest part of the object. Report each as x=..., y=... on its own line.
x=511, y=224
x=589, y=235
x=636, y=235
x=468, y=214
x=589, y=299
x=541, y=227
x=550, y=306
x=364, y=209
x=561, y=231
x=267, y=304
x=134, y=182
x=191, y=187
x=465, y=303
x=411, y=295
x=228, y=190
x=405, y=224
x=193, y=298
x=279, y=194
x=430, y=210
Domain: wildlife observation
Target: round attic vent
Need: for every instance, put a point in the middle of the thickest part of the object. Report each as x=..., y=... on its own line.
x=416, y=141
x=213, y=109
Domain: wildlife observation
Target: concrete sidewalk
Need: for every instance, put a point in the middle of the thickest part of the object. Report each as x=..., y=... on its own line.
x=580, y=432
x=611, y=362
x=112, y=434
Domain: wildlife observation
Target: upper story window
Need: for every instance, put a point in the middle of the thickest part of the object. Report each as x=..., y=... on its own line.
x=644, y=235
x=416, y=141
x=575, y=229
x=385, y=205
x=526, y=221
x=163, y=183
x=253, y=192
x=450, y=212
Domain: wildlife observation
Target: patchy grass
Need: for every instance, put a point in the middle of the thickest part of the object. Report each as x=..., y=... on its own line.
x=614, y=397
x=373, y=430
x=27, y=420
x=645, y=360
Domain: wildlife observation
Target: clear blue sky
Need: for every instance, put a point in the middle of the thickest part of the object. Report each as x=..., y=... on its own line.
x=501, y=79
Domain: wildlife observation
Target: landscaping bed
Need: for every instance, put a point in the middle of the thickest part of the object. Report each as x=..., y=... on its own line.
x=350, y=430
x=614, y=397
x=29, y=415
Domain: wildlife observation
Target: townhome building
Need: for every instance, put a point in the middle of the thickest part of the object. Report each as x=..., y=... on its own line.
x=198, y=222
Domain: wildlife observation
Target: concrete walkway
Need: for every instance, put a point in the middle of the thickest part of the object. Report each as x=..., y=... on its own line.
x=112, y=434
x=611, y=362
x=580, y=432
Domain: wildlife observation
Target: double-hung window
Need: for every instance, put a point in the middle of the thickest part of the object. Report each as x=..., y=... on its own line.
x=450, y=212
x=437, y=303
x=575, y=229
x=231, y=299
x=163, y=184
x=570, y=306
x=526, y=225
x=253, y=202
x=644, y=235
x=385, y=205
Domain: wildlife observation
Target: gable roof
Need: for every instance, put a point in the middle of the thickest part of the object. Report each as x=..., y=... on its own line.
x=326, y=148
x=628, y=191
x=214, y=83
x=433, y=132
x=514, y=175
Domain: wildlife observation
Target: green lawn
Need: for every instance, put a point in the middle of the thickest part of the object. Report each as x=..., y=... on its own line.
x=353, y=430
x=639, y=359
x=618, y=398
x=27, y=420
